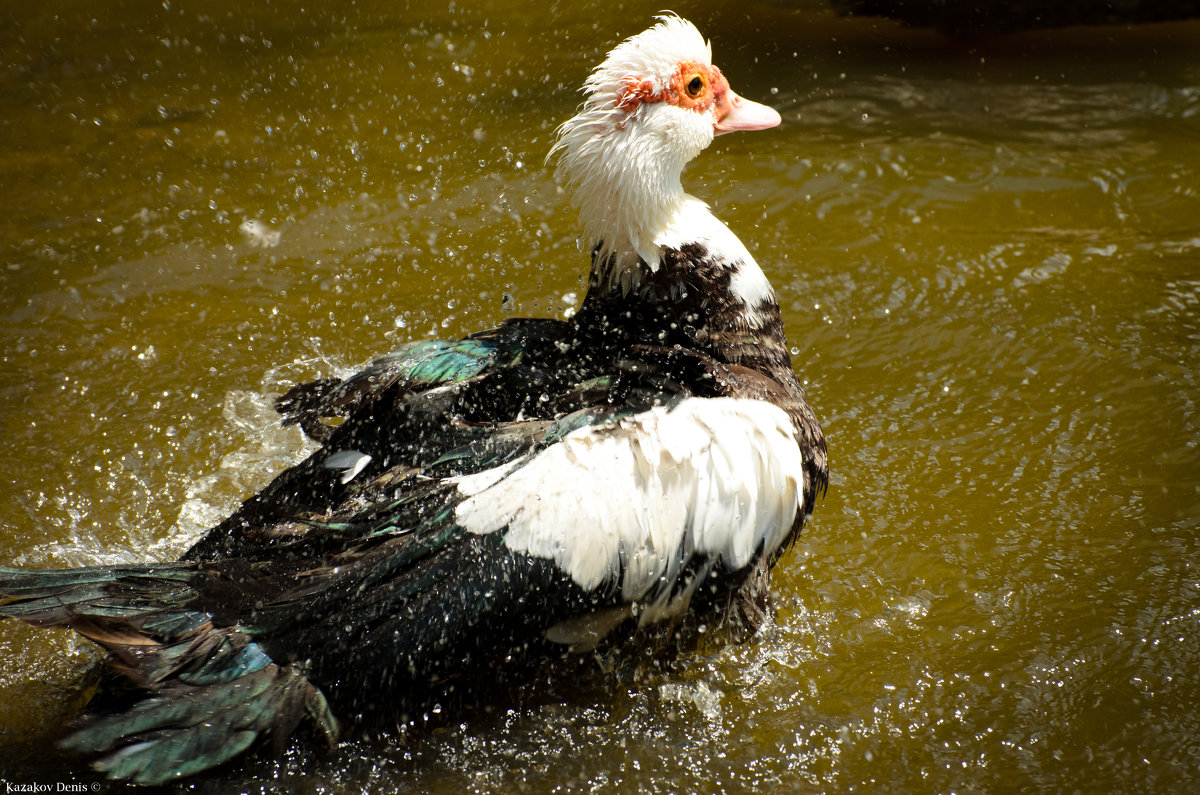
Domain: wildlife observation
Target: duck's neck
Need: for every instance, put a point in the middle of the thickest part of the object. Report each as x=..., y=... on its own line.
x=701, y=288
x=627, y=208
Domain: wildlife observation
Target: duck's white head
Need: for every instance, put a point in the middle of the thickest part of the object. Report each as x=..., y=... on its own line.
x=654, y=104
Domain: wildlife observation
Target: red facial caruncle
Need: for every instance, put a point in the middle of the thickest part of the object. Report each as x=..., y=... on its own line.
x=701, y=88
x=692, y=86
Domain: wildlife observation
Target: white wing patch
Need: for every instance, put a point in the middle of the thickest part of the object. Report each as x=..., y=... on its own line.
x=351, y=462
x=631, y=502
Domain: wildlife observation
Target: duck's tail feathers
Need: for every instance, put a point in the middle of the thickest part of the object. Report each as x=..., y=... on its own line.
x=202, y=694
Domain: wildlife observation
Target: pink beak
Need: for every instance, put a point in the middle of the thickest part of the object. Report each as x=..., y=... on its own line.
x=745, y=114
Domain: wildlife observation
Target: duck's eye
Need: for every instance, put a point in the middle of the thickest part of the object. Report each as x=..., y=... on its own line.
x=695, y=86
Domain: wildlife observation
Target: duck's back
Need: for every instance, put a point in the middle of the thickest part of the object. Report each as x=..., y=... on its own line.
x=526, y=490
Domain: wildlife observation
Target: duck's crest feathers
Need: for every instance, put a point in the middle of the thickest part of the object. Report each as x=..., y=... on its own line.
x=621, y=156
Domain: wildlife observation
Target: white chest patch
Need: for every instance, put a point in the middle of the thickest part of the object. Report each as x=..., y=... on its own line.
x=693, y=223
x=632, y=502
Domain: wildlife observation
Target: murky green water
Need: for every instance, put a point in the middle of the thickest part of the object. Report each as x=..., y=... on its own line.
x=989, y=263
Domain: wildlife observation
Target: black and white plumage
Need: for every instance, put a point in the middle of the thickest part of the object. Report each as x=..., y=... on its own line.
x=517, y=494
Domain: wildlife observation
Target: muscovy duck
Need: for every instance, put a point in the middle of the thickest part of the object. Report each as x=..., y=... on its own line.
x=515, y=495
